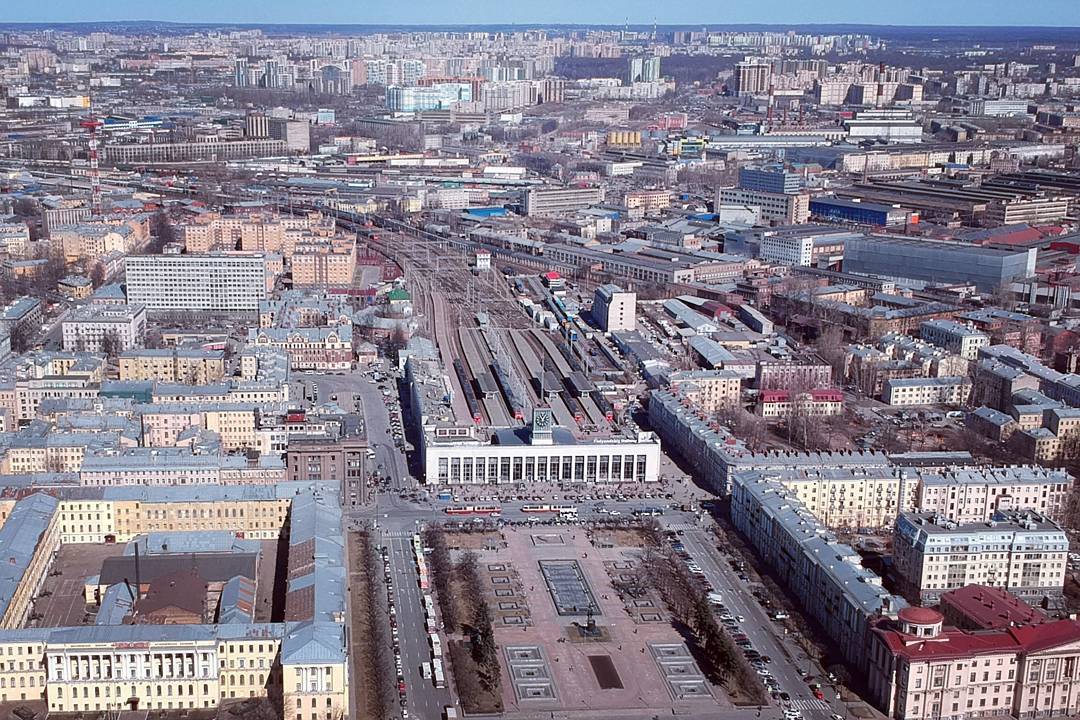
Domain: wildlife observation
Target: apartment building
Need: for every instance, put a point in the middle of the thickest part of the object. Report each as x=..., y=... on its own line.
x=973, y=495
x=710, y=390
x=957, y=338
x=194, y=366
x=851, y=498
x=953, y=391
x=42, y=375
x=167, y=425
x=104, y=328
x=824, y=575
x=213, y=282
x=92, y=240
x=255, y=232
x=324, y=265
x=1019, y=551
x=164, y=466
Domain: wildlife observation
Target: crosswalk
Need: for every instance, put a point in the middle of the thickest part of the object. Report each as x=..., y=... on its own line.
x=809, y=704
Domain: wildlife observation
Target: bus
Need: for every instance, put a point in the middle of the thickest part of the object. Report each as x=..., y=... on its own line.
x=565, y=510
x=436, y=645
x=535, y=508
x=440, y=678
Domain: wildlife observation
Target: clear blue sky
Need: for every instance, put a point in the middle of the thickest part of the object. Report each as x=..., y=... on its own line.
x=1057, y=13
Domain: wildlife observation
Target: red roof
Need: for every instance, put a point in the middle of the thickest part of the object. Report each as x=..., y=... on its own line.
x=829, y=395
x=956, y=644
x=774, y=396
x=552, y=275
x=988, y=608
x=920, y=616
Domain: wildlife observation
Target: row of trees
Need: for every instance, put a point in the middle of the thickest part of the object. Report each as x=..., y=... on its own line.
x=721, y=660
x=378, y=661
x=478, y=626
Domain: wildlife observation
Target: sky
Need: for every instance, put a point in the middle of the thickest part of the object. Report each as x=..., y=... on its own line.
x=1055, y=13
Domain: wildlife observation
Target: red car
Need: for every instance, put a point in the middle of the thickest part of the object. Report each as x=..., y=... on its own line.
x=401, y=687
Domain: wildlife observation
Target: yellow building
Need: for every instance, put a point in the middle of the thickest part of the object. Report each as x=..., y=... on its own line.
x=175, y=365
x=300, y=665
x=28, y=541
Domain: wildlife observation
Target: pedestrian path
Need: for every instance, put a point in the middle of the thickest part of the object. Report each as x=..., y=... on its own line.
x=809, y=704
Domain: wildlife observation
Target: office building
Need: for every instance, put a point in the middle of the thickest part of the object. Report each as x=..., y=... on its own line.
x=1019, y=551
x=771, y=179
x=204, y=150
x=104, y=328
x=775, y=208
x=614, y=309
x=213, y=282
x=856, y=212
x=554, y=201
x=342, y=461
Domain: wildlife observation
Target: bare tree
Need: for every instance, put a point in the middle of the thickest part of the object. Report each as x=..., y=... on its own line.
x=97, y=275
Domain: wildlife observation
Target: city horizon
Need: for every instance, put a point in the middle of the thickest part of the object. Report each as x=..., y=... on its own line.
x=996, y=13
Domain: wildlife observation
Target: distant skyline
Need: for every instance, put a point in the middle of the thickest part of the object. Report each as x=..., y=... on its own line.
x=1054, y=13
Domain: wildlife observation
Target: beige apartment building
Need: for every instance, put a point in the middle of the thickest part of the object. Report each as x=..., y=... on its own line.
x=851, y=497
x=175, y=365
x=709, y=390
x=164, y=425
x=1019, y=551
x=29, y=539
x=324, y=265
x=971, y=496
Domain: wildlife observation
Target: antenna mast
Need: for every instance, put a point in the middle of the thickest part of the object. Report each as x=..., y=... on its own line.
x=91, y=123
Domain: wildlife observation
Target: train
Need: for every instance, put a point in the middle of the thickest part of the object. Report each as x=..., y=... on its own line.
x=490, y=510
x=468, y=392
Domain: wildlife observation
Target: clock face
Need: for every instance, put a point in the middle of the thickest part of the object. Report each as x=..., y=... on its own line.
x=542, y=419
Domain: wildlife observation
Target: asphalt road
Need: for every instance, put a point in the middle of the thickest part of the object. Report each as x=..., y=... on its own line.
x=789, y=664
x=423, y=698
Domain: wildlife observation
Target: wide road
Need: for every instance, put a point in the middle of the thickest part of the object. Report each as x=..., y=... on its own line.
x=424, y=699
x=789, y=664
